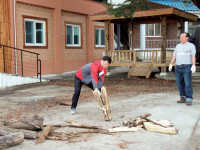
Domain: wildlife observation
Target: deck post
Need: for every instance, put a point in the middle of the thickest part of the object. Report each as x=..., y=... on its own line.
x=182, y=23
x=107, y=27
x=131, y=35
x=163, y=41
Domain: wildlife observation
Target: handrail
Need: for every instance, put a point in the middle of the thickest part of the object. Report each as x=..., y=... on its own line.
x=25, y=59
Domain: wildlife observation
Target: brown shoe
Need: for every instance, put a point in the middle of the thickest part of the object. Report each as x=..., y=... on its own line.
x=188, y=103
x=182, y=100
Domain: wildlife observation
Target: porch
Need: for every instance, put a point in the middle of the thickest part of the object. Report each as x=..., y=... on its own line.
x=130, y=57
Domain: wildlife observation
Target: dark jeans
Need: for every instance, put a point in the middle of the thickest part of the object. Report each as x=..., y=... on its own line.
x=77, y=86
x=184, y=81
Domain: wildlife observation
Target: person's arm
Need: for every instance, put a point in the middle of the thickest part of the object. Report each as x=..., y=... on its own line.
x=171, y=64
x=173, y=60
x=193, y=60
x=94, y=75
x=193, y=68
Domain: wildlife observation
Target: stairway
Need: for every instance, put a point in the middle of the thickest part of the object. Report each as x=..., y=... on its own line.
x=140, y=69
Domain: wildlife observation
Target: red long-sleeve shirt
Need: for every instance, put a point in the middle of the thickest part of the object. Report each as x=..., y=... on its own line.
x=92, y=73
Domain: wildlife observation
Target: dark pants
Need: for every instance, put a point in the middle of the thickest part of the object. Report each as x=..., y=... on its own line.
x=77, y=86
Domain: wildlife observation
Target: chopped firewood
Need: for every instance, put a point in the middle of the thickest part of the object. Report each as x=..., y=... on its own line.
x=102, y=99
x=27, y=133
x=44, y=134
x=163, y=126
x=11, y=139
x=136, y=121
x=124, y=129
x=35, y=123
x=106, y=102
x=163, y=123
x=150, y=126
x=75, y=124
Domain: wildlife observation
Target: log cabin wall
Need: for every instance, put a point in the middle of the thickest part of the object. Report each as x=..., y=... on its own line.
x=5, y=35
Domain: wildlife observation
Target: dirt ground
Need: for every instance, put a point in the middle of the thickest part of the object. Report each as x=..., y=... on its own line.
x=129, y=97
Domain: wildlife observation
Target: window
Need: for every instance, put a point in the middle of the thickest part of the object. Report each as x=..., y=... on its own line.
x=99, y=37
x=153, y=29
x=73, y=35
x=35, y=32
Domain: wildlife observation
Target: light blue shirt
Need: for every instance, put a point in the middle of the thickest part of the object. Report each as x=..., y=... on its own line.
x=184, y=52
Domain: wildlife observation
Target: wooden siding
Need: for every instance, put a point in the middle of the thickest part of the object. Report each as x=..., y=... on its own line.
x=5, y=35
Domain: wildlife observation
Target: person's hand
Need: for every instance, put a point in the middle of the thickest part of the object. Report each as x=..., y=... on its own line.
x=99, y=93
x=193, y=68
x=170, y=67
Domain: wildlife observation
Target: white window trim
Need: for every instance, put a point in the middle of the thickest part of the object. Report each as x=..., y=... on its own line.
x=74, y=45
x=154, y=32
x=99, y=29
x=44, y=33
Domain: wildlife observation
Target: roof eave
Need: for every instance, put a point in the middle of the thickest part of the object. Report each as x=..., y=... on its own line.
x=150, y=13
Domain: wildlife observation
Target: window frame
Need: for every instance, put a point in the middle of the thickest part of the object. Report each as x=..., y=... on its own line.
x=153, y=30
x=72, y=46
x=45, y=34
x=100, y=28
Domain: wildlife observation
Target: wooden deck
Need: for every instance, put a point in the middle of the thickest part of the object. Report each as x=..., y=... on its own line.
x=130, y=57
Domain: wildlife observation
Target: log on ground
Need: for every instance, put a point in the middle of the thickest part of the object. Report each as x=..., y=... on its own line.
x=27, y=133
x=12, y=139
x=34, y=124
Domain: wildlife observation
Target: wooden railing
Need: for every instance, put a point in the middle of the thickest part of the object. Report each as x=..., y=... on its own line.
x=133, y=56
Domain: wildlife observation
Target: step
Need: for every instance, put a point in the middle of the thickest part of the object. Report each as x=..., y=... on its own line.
x=140, y=69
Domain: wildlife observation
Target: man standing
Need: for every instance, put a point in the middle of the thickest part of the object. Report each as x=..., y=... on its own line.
x=184, y=55
x=91, y=75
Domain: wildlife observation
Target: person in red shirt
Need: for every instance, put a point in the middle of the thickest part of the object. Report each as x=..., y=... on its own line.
x=91, y=75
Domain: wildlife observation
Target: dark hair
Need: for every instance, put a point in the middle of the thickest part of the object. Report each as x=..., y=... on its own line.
x=106, y=58
x=187, y=34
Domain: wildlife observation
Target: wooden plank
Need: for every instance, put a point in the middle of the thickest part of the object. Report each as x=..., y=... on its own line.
x=75, y=124
x=107, y=103
x=149, y=126
x=44, y=134
x=124, y=129
x=5, y=36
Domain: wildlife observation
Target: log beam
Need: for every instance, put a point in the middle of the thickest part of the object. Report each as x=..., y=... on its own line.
x=12, y=139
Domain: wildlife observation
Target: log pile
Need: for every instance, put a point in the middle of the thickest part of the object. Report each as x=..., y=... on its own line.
x=102, y=99
x=15, y=131
x=136, y=124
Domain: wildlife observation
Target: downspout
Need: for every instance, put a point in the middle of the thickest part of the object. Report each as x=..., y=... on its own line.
x=15, y=42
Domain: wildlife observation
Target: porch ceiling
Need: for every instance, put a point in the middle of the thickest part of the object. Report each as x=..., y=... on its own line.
x=149, y=16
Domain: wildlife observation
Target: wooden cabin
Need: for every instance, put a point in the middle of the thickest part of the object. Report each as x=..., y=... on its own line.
x=142, y=61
